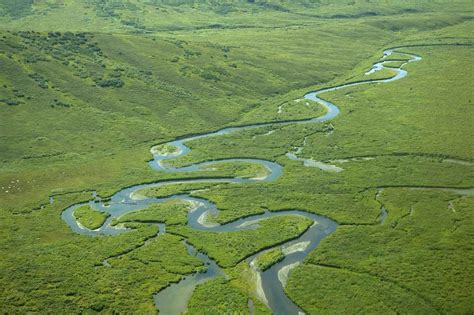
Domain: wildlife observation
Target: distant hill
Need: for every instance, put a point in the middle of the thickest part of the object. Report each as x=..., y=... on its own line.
x=171, y=15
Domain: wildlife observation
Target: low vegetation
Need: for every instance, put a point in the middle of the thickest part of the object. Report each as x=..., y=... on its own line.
x=412, y=263
x=269, y=258
x=225, y=298
x=88, y=87
x=169, y=212
x=232, y=247
x=90, y=218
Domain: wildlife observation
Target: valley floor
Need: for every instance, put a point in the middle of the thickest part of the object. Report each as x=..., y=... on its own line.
x=80, y=111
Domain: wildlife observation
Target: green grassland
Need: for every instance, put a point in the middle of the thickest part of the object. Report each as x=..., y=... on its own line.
x=87, y=87
x=228, y=298
x=170, y=212
x=269, y=258
x=232, y=247
x=64, y=271
x=142, y=17
x=90, y=218
x=415, y=262
x=165, y=149
x=155, y=100
x=395, y=161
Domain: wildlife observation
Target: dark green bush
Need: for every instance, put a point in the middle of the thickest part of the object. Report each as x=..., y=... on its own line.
x=116, y=83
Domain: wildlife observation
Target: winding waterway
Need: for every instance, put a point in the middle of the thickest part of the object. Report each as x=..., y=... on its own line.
x=271, y=282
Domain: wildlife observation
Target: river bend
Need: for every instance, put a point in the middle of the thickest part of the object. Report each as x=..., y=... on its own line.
x=173, y=299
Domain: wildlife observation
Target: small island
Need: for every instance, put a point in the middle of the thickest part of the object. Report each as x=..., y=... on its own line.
x=90, y=218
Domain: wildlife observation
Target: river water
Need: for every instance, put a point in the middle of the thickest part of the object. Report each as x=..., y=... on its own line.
x=174, y=299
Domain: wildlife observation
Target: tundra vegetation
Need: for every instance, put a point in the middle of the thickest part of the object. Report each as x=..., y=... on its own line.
x=88, y=87
x=269, y=258
x=90, y=218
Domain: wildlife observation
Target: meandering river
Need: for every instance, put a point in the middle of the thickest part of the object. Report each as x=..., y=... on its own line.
x=271, y=282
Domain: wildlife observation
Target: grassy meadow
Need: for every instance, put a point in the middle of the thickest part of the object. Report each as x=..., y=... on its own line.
x=90, y=218
x=88, y=87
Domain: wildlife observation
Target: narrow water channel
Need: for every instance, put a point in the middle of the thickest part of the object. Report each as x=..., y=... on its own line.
x=174, y=299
